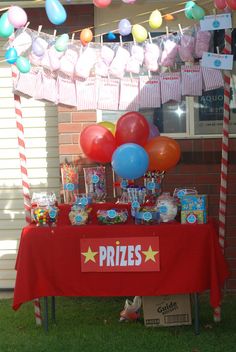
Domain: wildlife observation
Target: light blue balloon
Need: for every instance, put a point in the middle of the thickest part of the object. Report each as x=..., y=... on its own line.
x=23, y=64
x=130, y=161
x=124, y=27
x=62, y=42
x=6, y=28
x=38, y=47
x=55, y=12
x=11, y=55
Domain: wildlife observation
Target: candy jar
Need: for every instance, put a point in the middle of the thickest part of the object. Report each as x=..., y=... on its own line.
x=79, y=215
x=152, y=183
x=95, y=182
x=167, y=207
x=41, y=215
x=70, y=182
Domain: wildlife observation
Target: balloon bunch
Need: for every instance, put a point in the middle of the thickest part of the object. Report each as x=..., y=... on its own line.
x=133, y=146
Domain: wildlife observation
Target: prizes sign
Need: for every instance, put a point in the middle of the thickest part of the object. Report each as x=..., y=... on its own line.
x=124, y=254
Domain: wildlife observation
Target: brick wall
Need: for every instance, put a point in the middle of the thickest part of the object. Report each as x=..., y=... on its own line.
x=199, y=167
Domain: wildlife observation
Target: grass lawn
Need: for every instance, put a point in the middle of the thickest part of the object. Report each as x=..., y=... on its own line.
x=92, y=324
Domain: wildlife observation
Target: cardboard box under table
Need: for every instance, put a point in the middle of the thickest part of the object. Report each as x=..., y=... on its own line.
x=167, y=310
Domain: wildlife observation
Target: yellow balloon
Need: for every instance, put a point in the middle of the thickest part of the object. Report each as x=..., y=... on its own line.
x=109, y=125
x=155, y=19
x=139, y=33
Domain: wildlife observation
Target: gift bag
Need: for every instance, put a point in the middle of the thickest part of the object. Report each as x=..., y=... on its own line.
x=108, y=93
x=49, y=87
x=26, y=82
x=86, y=91
x=66, y=90
x=170, y=87
x=68, y=61
x=129, y=94
x=149, y=92
x=212, y=78
x=191, y=80
x=70, y=182
x=95, y=183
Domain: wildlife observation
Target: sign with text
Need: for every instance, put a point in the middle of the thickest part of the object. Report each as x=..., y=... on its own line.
x=215, y=22
x=120, y=254
x=217, y=61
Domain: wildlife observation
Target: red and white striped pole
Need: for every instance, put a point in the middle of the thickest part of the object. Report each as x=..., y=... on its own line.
x=224, y=157
x=24, y=175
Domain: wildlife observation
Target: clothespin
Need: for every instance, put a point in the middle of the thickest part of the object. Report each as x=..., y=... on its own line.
x=150, y=37
x=167, y=31
x=131, y=76
x=72, y=37
x=39, y=29
x=26, y=26
x=149, y=74
x=101, y=40
x=180, y=29
x=54, y=34
x=214, y=12
x=217, y=50
x=121, y=42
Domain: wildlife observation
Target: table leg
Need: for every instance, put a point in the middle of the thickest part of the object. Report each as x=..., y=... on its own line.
x=45, y=316
x=53, y=309
x=196, y=314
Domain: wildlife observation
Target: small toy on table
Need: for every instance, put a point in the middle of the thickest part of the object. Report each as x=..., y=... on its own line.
x=194, y=209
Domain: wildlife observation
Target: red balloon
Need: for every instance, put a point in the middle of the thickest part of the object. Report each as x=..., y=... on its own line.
x=102, y=3
x=164, y=153
x=97, y=143
x=132, y=127
x=231, y=4
x=220, y=4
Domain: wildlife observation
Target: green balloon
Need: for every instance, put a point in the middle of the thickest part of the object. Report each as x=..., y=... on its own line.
x=23, y=64
x=6, y=28
x=188, y=9
x=198, y=12
x=62, y=42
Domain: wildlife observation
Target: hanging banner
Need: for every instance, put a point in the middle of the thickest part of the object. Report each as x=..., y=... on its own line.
x=120, y=254
x=216, y=22
x=217, y=61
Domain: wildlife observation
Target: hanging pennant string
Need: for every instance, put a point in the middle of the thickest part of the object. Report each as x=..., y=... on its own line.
x=224, y=157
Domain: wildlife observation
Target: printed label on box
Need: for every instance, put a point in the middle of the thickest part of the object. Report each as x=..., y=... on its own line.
x=216, y=22
x=217, y=61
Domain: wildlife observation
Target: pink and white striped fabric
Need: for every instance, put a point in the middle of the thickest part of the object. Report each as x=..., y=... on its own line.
x=66, y=90
x=49, y=87
x=109, y=93
x=25, y=83
x=212, y=78
x=191, y=80
x=129, y=94
x=170, y=87
x=86, y=91
x=149, y=92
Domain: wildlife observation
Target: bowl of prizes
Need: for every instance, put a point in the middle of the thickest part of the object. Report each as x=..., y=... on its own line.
x=112, y=216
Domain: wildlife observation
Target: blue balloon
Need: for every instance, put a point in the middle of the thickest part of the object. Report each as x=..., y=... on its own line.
x=111, y=36
x=11, y=55
x=130, y=161
x=55, y=12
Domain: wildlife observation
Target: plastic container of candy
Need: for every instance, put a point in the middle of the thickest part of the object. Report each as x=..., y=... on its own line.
x=79, y=215
x=112, y=216
x=167, y=206
x=147, y=216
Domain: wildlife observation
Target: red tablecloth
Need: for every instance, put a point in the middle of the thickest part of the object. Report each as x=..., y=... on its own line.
x=48, y=262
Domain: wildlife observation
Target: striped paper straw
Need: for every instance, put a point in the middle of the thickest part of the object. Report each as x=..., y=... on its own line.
x=224, y=157
x=24, y=175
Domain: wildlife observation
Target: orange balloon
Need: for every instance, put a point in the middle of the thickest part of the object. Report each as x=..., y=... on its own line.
x=86, y=36
x=169, y=17
x=164, y=153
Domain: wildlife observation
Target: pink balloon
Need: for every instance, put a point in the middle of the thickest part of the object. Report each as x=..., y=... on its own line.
x=17, y=16
x=220, y=4
x=153, y=131
x=102, y=3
